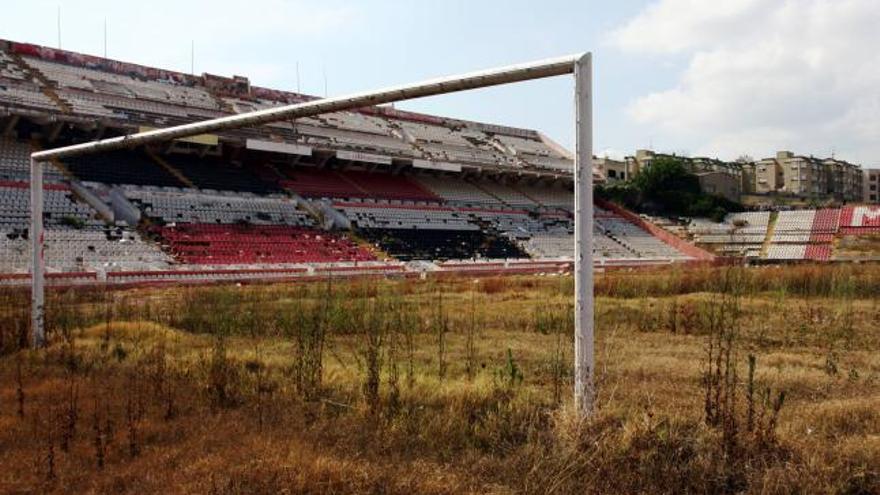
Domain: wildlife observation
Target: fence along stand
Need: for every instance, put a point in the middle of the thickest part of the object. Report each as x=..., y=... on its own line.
x=584, y=392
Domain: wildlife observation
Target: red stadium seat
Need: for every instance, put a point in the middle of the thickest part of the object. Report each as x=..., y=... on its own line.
x=317, y=183
x=216, y=244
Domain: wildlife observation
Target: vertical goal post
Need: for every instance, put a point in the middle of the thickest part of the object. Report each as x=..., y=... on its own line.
x=580, y=65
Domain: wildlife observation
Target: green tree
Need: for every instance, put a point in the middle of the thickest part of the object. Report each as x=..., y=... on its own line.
x=667, y=185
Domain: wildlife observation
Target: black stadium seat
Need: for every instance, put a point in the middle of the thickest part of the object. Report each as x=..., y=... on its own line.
x=121, y=167
x=423, y=244
x=220, y=175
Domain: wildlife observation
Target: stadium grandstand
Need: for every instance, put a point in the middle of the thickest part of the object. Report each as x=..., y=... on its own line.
x=792, y=235
x=378, y=190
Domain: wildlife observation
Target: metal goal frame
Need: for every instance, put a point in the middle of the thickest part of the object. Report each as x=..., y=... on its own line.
x=580, y=65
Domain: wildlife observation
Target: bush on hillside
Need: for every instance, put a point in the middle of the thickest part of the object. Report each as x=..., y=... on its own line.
x=668, y=188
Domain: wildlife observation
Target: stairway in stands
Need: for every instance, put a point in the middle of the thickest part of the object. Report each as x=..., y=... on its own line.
x=352, y=183
x=486, y=191
x=519, y=190
x=771, y=228
x=48, y=86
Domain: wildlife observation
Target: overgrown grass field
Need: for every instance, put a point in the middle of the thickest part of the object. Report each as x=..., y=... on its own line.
x=711, y=380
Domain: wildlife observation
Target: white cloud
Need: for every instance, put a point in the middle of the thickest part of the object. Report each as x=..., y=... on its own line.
x=761, y=75
x=671, y=26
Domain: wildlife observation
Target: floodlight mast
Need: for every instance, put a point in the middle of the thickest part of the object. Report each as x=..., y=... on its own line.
x=580, y=65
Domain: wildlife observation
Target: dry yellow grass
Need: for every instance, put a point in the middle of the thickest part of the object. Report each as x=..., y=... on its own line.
x=173, y=408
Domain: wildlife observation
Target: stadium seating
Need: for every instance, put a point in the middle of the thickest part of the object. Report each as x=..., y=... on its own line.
x=534, y=152
x=740, y=234
x=796, y=252
x=860, y=219
x=112, y=90
x=206, y=244
x=549, y=196
x=228, y=205
x=123, y=106
x=320, y=132
x=825, y=224
x=387, y=216
x=469, y=207
x=461, y=154
x=434, y=133
x=59, y=207
x=356, y=121
x=70, y=76
x=121, y=167
x=493, y=194
x=450, y=143
x=332, y=184
x=789, y=252
x=15, y=164
x=86, y=104
x=84, y=249
x=319, y=183
x=410, y=232
x=636, y=240
x=75, y=238
x=26, y=94
x=552, y=235
x=797, y=234
x=441, y=244
x=387, y=186
x=811, y=232
x=192, y=206
x=818, y=252
x=219, y=175
x=456, y=190
x=508, y=195
x=9, y=69
x=794, y=226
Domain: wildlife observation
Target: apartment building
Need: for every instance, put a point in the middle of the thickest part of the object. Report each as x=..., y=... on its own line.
x=871, y=186
x=768, y=175
x=716, y=176
x=844, y=180
x=720, y=183
x=612, y=170
x=641, y=160
x=785, y=174
x=747, y=177
x=804, y=176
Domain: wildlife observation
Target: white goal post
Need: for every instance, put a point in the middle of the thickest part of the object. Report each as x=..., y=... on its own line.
x=580, y=65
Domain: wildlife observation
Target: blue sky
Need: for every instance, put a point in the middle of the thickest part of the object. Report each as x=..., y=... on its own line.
x=678, y=75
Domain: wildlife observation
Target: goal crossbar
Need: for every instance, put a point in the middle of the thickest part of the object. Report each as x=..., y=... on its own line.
x=580, y=65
